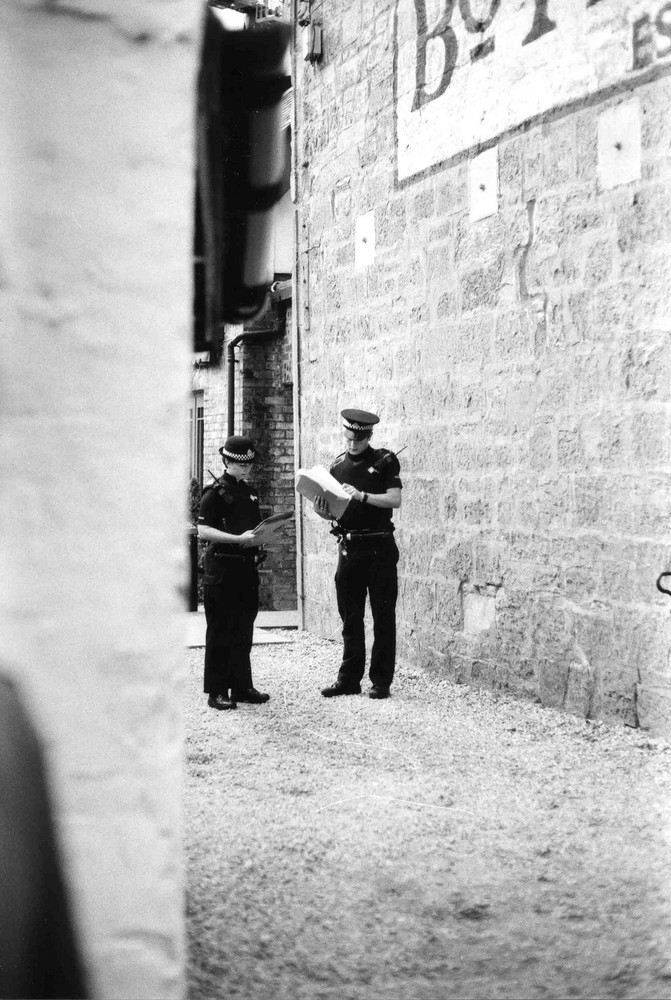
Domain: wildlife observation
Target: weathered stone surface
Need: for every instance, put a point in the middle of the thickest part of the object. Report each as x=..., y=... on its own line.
x=529, y=363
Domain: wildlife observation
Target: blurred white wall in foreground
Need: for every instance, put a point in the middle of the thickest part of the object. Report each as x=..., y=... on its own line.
x=96, y=109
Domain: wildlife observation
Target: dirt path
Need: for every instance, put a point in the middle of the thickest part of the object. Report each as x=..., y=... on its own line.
x=443, y=844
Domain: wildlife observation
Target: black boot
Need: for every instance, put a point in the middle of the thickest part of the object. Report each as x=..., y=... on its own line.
x=250, y=695
x=340, y=688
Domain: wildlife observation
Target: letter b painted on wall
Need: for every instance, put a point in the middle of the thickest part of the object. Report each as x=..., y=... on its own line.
x=441, y=35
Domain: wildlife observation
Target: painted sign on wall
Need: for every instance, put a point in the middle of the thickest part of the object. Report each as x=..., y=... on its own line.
x=469, y=70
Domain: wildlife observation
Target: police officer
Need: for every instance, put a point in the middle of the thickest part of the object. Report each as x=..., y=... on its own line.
x=229, y=510
x=367, y=556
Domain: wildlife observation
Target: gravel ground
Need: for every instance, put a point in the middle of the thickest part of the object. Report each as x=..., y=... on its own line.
x=446, y=843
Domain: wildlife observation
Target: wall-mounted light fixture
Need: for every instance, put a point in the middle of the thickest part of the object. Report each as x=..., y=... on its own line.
x=313, y=43
x=312, y=36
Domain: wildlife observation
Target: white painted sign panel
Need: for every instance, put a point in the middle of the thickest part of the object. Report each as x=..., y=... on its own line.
x=469, y=70
x=619, y=144
x=364, y=240
x=483, y=184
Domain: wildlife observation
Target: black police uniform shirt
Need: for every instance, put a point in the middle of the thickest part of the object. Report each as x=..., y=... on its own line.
x=361, y=472
x=232, y=506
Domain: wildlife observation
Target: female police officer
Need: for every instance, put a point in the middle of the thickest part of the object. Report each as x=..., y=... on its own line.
x=229, y=510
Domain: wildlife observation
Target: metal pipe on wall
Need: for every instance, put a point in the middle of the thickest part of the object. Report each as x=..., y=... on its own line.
x=299, y=311
x=260, y=335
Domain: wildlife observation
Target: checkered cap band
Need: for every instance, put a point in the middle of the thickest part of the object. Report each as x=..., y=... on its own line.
x=351, y=426
x=248, y=456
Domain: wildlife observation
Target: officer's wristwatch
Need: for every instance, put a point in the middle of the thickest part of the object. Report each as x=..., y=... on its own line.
x=364, y=498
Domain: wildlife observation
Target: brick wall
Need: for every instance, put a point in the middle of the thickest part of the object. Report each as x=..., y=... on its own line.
x=264, y=411
x=212, y=382
x=523, y=353
x=266, y=403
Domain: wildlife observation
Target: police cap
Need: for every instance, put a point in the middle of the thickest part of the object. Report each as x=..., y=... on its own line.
x=359, y=420
x=238, y=449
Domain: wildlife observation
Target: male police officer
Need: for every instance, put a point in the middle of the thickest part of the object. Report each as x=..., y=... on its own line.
x=367, y=556
x=228, y=513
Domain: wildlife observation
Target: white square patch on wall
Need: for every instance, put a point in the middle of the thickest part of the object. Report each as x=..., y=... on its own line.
x=364, y=240
x=483, y=184
x=619, y=144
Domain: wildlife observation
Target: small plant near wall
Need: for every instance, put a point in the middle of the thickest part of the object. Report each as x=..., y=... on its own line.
x=194, y=500
x=196, y=546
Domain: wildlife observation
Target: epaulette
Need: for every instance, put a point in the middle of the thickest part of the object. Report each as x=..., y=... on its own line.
x=339, y=458
x=220, y=489
x=385, y=459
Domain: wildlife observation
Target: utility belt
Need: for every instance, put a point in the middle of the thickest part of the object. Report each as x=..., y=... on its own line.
x=364, y=538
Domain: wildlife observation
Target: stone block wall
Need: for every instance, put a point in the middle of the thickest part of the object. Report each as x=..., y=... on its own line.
x=521, y=349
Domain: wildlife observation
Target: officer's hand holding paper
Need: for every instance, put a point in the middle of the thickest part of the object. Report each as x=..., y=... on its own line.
x=321, y=507
x=265, y=531
x=318, y=485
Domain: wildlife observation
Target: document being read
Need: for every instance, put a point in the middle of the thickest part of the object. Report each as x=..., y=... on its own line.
x=265, y=530
x=317, y=482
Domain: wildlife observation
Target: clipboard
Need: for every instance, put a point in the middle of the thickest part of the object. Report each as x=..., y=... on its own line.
x=274, y=519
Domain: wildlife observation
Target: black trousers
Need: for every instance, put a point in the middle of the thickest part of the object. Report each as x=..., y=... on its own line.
x=231, y=608
x=368, y=571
